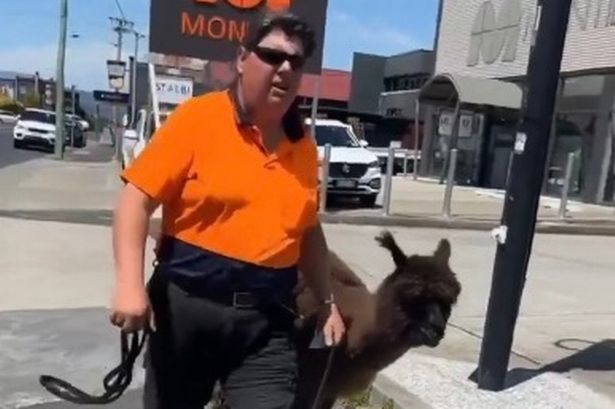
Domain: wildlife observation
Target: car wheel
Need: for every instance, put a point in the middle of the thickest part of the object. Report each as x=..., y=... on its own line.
x=17, y=144
x=369, y=201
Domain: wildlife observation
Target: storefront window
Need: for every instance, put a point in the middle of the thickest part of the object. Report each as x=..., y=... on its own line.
x=574, y=135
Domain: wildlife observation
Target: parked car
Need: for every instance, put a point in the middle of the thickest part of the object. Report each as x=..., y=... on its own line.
x=76, y=133
x=354, y=171
x=7, y=117
x=36, y=127
x=83, y=124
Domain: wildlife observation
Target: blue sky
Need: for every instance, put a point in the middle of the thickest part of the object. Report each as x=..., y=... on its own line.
x=30, y=33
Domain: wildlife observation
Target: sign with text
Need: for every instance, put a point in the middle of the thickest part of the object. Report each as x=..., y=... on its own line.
x=109, y=96
x=214, y=29
x=173, y=90
x=492, y=38
x=116, y=71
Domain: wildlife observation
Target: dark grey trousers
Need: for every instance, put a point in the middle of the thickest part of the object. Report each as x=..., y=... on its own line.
x=199, y=342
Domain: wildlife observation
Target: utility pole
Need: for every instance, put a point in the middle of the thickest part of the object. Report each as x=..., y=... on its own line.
x=523, y=194
x=121, y=27
x=133, y=91
x=59, y=139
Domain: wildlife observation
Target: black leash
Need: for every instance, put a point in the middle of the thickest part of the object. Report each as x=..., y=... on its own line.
x=325, y=377
x=115, y=382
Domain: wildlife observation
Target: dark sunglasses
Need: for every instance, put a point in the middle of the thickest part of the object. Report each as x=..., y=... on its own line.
x=277, y=57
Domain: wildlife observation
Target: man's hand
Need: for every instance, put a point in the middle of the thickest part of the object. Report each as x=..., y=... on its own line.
x=334, y=328
x=131, y=310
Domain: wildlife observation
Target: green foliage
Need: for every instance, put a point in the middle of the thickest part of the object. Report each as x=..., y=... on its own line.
x=32, y=100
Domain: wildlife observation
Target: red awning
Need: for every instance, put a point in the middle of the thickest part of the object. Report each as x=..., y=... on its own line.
x=334, y=85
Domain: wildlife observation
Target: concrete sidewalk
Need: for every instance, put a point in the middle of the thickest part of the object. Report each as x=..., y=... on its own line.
x=57, y=281
x=419, y=204
x=56, y=273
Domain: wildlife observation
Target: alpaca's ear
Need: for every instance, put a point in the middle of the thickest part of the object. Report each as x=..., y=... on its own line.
x=387, y=241
x=443, y=252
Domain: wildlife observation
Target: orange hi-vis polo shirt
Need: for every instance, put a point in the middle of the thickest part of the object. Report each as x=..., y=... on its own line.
x=219, y=188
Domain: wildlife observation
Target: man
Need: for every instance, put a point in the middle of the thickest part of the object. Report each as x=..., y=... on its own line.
x=237, y=179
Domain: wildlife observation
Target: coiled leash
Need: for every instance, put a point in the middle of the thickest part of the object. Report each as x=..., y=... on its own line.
x=115, y=382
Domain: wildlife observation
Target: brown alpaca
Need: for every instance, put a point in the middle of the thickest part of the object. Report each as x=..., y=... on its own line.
x=410, y=308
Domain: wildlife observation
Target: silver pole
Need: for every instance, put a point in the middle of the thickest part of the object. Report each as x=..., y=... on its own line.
x=133, y=91
x=415, y=164
x=324, y=182
x=450, y=181
x=74, y=123
x=405, y=162
x=388, y=182
x=315, y=106
x=566, y=188
x=59, y=140
x=154, y=96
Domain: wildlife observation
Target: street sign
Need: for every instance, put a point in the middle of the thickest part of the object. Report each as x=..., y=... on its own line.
x=116, y=70
x=109, y=96
x=213, y=29
x=173, y=90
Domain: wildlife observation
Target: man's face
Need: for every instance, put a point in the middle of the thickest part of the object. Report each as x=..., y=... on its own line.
x=271, y=73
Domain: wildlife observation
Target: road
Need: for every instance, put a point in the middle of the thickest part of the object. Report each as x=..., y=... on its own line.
x=12, y=156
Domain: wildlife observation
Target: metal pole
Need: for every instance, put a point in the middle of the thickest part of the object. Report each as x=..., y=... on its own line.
x=154, y=96
x=450, y=182
x=324, y=182
x=315, y=106
x=135, y=62
x=59, y=139
x=452, y=141
x=522, y=197
x=74, y=123
x=96, y=122
x=388, y=182
x=415, y=161
x=566, y=188
x=405, y=162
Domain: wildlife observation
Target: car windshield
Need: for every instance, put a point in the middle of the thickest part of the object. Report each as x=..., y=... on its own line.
x=334, y=135
x=47, y=118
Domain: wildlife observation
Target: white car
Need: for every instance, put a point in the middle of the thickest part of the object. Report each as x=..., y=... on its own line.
x=354, y=171
x=36, y=127
x=7, y=117
x=82, y=122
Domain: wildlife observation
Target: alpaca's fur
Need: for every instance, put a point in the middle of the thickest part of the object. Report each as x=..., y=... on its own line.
x=381, y=326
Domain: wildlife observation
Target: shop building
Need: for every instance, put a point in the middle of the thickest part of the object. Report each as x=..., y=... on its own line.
x=482, y=51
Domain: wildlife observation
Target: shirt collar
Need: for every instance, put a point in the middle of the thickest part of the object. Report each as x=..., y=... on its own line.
x=240, y=111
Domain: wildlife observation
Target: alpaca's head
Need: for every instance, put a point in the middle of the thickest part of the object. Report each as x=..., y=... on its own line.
x=419, y=295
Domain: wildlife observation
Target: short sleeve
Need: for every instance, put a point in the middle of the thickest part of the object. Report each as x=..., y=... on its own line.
x=162, y=167
x=312, y=171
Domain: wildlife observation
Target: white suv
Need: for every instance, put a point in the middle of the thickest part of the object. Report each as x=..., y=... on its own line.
x=36, y=127
x=354, y=171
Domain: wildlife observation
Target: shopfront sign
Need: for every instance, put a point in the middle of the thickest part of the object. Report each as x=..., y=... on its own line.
x=213, y=29
x=492, y=38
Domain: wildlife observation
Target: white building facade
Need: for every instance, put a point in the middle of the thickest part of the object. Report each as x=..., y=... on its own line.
x=492, y=39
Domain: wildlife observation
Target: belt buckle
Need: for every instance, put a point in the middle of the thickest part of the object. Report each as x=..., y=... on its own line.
x=243, y=300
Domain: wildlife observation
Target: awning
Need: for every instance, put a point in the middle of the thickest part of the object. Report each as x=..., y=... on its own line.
x=448, y=89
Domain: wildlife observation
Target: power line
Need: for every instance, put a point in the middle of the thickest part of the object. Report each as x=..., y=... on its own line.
x=119, y=7
x=121, y=27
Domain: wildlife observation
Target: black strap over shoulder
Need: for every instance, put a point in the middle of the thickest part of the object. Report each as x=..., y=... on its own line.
x=115, y=382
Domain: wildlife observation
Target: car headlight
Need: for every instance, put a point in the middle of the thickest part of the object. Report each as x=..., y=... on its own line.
x=374, y=164
x=20, y=127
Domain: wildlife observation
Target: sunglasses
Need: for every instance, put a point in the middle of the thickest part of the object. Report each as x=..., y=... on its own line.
x=277, y=57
